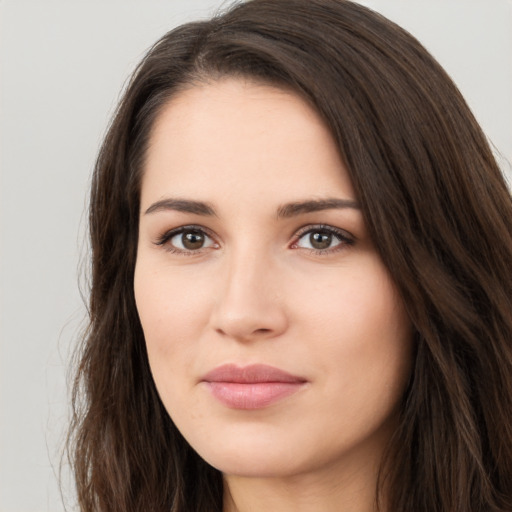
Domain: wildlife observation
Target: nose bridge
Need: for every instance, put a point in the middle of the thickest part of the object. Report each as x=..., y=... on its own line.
x=249, y=303
x=247, y=264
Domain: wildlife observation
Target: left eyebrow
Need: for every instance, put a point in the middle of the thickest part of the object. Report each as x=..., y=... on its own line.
x=292, y=209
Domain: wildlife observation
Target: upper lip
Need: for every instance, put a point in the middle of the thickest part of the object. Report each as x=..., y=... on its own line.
x=251, y=374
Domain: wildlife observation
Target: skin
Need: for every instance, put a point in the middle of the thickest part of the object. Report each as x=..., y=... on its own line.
x=260, y=291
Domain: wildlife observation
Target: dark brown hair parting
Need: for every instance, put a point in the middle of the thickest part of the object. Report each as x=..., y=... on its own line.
x=434, y=202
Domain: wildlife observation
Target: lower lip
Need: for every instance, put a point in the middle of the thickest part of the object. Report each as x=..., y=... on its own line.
x=255, y=395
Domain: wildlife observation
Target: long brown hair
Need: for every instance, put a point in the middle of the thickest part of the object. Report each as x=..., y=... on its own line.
x=438, y=211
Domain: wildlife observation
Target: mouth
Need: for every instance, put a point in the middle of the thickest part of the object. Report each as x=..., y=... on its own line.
x=251, y=387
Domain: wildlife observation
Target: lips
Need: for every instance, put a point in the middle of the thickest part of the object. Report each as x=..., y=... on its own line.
x=251, y=387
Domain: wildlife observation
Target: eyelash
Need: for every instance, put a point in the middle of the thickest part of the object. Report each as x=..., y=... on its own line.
x=165, y=238
x=344, y=238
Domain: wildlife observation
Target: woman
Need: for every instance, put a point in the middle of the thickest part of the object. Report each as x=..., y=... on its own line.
x=301, y=296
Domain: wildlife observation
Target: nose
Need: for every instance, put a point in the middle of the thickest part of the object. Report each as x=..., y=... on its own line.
x=250, y=304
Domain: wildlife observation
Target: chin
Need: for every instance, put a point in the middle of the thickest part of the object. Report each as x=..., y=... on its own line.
x=255, y=465
x=263, y=450
x=254, y=456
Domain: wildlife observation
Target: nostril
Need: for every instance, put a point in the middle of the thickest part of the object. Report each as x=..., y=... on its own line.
x=248, y=334
x=262, y=331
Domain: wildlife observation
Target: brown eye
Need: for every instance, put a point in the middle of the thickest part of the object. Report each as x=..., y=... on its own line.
x=192, y=240
x=320, y=240
x=324, y=239
x=187, y=240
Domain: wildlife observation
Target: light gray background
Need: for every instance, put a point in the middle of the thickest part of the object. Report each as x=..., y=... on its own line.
x=63, y=64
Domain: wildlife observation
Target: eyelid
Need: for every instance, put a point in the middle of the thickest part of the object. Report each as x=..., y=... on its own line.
x=164, y=238
x=344, y=236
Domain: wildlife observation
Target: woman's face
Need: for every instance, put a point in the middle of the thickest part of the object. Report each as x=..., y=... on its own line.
x=276, y=338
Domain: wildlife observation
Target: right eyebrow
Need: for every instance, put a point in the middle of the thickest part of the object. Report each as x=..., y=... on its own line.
x=182, y=205
x=315, y=205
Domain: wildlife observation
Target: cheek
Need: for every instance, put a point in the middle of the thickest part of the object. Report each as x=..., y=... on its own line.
x=363, y=330
x=360, y=303
x=173, y=311
x=383, y=358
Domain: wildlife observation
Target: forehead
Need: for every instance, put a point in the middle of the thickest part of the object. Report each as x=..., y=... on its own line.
x=239, y=138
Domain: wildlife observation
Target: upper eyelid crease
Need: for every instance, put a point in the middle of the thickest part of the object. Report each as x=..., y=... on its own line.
x=342, y=234
x=324, y=227
x=181, y=229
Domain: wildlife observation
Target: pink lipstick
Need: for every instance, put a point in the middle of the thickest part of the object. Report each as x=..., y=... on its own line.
x=251, y=387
